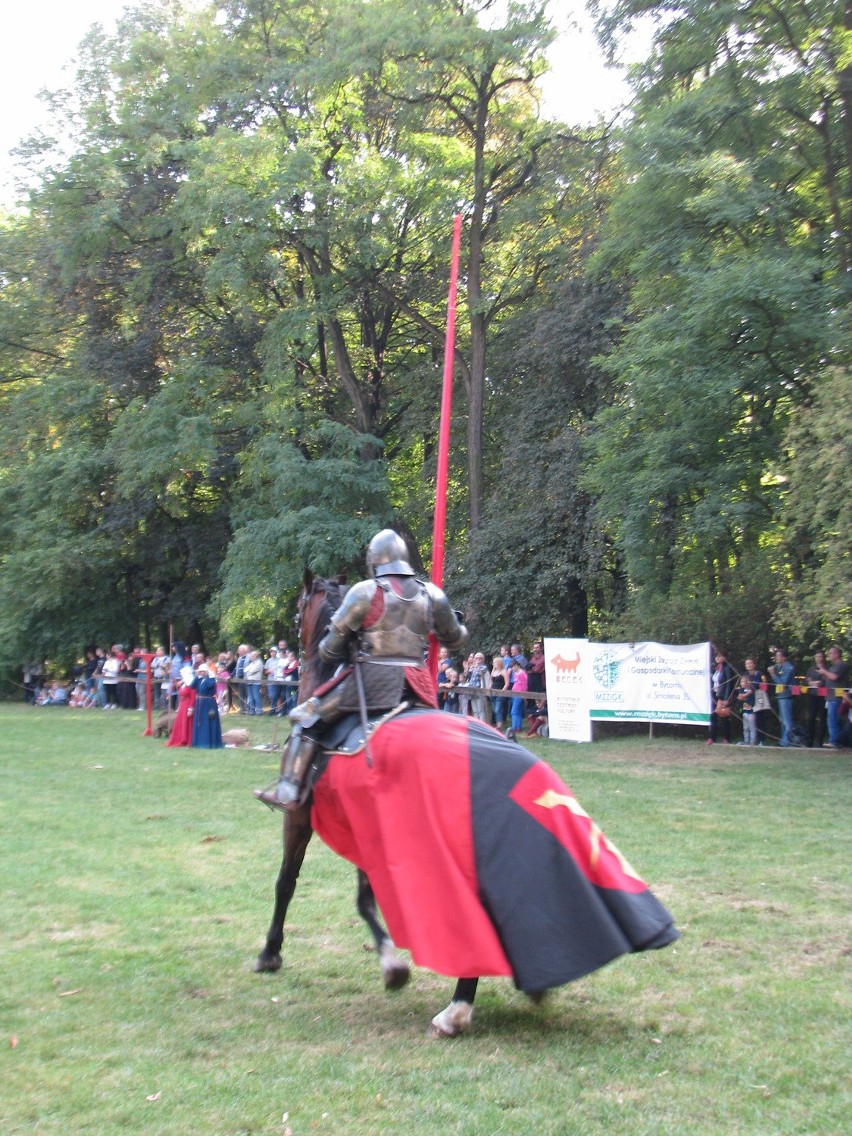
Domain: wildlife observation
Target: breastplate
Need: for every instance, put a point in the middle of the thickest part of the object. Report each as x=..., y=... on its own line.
x=401, y=633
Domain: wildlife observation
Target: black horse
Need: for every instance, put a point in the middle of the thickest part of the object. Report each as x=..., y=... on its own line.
x=482, y=860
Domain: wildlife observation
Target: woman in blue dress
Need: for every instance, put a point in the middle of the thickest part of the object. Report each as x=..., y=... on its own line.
x=206, y=727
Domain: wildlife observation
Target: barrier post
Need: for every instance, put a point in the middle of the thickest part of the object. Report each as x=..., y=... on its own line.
x=148, y=656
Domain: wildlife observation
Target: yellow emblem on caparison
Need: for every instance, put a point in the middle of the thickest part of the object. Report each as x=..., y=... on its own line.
x=550, y=799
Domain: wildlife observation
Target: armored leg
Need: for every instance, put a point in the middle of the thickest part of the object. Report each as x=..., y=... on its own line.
x=294, y=767
x=305, y=714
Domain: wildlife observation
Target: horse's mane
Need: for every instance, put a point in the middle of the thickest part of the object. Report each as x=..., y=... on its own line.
x=319, y=601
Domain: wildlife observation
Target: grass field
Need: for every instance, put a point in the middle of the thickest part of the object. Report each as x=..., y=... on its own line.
x=136, y=891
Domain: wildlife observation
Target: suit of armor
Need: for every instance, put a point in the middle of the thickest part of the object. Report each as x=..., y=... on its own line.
x=390, y=619
x=383, y=627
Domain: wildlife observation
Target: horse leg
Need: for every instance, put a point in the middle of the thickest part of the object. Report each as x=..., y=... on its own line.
x=395, y=971
x=297, y=835
x=457, y=1016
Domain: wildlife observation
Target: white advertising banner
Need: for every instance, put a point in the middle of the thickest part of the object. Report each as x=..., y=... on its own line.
x=651, y=682
x=567, y=675
x=624, y=682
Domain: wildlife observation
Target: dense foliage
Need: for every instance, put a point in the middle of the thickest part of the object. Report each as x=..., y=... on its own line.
x=222, y=312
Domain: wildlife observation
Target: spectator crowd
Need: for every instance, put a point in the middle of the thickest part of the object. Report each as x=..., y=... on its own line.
x=510, y=671
x=112, y=678
x=507, y=689
x=773, y=704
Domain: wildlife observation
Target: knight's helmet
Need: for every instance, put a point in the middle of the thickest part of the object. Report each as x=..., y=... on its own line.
x=387, y=555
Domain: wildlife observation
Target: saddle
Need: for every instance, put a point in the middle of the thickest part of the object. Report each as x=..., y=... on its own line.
x=347, y=734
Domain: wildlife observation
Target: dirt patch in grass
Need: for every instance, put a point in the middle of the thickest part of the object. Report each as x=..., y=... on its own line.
x=89, y=933
x=834, y=947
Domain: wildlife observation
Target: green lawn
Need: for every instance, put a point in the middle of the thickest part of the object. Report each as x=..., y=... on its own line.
x=137, y=888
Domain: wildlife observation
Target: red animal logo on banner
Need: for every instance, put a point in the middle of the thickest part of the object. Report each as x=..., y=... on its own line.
x=566, y=664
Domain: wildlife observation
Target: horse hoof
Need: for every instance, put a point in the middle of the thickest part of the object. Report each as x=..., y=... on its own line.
x=395, y=970
x=435, y=1033
x=452, y=1021
x=267, y=963
x=395, y=976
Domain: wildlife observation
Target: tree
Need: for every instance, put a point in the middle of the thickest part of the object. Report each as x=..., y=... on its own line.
x=222, y=320
x=722, y=229
x=816, y=600
x=108, y=352
x=782, y=71
x=320, y=500
x=480, y=84
x=541, y=541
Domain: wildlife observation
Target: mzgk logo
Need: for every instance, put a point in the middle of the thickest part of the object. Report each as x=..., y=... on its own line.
x=606, y=669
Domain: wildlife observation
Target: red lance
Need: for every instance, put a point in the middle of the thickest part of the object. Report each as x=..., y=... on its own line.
x=440, y=523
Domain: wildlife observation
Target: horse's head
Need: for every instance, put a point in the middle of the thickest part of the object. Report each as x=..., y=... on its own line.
x=319, y=600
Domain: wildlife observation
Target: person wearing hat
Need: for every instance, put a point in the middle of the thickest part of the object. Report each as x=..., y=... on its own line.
x=206, y=727
x=272, y=669
x=384, y=625
x=181, y=734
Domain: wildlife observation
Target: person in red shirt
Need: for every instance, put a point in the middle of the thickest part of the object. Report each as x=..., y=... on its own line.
x=535, y=668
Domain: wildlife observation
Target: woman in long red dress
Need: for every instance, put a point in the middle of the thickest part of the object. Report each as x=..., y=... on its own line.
x=181, y=734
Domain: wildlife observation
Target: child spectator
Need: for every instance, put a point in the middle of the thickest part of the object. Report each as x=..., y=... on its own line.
x=222, y=675
x=448, y=689
x=745, y=698
x=160, y=667
x=290, y=680
x=77, y=697
x=54, y=695
x=537, y=719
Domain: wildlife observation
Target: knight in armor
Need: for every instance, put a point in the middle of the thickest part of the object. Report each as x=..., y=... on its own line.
x=382, y=627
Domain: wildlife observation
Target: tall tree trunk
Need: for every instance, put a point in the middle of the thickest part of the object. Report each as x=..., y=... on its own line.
x=844, y=83
x=475, y=382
